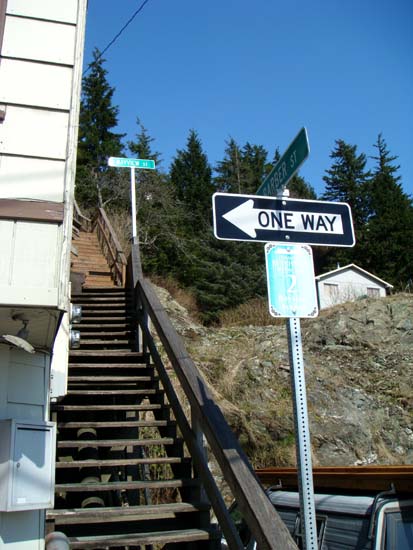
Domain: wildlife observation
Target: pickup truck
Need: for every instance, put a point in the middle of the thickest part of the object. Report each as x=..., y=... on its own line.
x=357, y=508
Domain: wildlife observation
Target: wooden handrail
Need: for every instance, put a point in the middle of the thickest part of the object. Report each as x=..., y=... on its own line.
x=110, y=246
x=261, y=517
x=82, y=220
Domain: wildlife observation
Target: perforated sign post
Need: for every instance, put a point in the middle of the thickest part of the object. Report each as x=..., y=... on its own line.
x=132, y=164
x=291, y=225
x=292, y=294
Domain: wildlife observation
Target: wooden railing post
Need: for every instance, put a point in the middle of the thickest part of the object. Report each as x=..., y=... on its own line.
x=201, y=442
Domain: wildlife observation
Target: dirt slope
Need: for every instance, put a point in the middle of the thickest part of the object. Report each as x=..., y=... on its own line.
x=359, y=371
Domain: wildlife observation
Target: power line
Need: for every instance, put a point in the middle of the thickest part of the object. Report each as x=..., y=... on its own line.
x=116, y=36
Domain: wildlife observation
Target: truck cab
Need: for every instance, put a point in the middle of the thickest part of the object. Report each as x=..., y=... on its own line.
x=357, y=508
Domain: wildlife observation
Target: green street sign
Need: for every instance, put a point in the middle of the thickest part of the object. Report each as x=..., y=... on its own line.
x=286, y=167
x=131, y=163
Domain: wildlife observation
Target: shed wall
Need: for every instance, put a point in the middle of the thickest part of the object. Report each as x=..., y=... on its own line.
x=346, y=286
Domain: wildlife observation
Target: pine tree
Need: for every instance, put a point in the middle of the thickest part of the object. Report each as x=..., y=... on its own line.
x=142, y=148
x=97, y=140
x=148, y=181
x=390, y=228
x=254, y=164
x=159, y=214
x=191, y=177
x=229, y=170
x=300, y=189
x=348, y=181
x=241, y=170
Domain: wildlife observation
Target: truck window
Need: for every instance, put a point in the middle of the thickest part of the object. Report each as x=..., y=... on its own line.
x=399, y=530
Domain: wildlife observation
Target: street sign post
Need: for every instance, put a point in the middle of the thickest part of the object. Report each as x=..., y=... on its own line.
x=287, y=166
x=267, y=219
x=292, y=294
x=290, y=280
x=290, y=277
x=146, y=164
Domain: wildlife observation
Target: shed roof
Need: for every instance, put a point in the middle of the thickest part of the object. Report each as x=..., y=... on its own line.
x=353, y=267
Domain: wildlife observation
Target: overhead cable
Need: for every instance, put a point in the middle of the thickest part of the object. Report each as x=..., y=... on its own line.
x=116, y=36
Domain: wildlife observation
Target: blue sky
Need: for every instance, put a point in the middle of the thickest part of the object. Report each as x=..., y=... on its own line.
x=259, y=71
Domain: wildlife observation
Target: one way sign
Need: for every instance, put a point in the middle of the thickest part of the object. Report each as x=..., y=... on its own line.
x=267, y=219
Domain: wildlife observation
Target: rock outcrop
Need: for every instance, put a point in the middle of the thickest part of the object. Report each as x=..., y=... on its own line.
x=359, y=370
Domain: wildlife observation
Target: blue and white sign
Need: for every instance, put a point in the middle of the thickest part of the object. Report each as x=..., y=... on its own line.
x=119, y=162
x=290, y=280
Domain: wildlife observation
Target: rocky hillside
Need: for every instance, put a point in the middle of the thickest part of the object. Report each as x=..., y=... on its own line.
x=359, y=371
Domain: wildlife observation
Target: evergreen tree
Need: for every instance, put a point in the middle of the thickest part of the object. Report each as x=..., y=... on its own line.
x=142, y=148
x=390, y=228
x=254, y=164
x=97, y=140
x=300, y=189
x=160, y=216
x=229, y=170
x=191, y=177
x=148, y=181
x=241, y=170
x=348, y=181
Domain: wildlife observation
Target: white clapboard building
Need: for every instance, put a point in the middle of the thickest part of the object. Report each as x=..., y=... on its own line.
x=348, y=283
x=41, y=51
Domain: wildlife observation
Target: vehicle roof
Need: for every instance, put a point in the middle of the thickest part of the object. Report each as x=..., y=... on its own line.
x=344, y=504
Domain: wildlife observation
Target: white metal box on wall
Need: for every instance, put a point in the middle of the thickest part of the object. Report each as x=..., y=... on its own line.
x=27, y=465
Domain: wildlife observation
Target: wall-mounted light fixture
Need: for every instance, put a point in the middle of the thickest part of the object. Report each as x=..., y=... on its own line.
x=20, y=339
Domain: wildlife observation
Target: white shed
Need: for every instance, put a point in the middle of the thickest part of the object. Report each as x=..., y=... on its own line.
x=347, y=283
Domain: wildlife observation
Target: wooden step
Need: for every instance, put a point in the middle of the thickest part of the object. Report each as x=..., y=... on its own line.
x=115, y=424
x=113, y=304
x=126, y=366
x=78, y=444
x=89, y=407
x=138, y=539
x=102, y=342
x=112, y=335
x=122, y=462
x=91, y=317
x=104, y=353
x=114, y=392
x=111, y=379
x=97, y=327
x=126, y=513
x=108, y=291
x=124, y=485
x=109, y=314
x=94, y=282
x=90, y=300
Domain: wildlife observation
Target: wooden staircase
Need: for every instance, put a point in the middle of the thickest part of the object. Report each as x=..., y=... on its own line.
x=88, y=259
x=130, y=457
x=123, y=479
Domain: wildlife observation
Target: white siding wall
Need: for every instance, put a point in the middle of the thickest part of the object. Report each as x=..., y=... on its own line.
x=29, y=270
x=24, y=381
x=40, y=75
x=346, y=286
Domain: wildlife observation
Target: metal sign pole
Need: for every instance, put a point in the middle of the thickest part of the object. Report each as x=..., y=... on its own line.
x=133, y=203
x=304, y=465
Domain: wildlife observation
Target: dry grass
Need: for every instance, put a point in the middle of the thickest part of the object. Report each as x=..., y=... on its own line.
x=254, y=312
x=183, y=296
